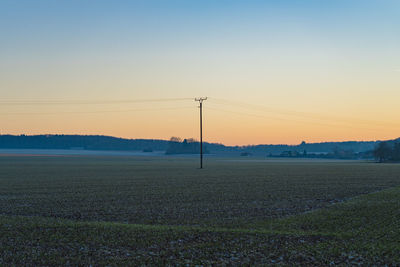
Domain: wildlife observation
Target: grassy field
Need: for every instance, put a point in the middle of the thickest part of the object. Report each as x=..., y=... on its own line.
x=135, y=210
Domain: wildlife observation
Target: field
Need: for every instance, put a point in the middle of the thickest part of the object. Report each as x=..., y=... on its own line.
x=164, y=211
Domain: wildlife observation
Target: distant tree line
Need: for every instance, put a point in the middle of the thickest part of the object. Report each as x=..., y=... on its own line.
x=88, y=142
x=337, y=153
x=178, y=146
x=357, y=148
x=388, y=151
x=98, y=142
x=187, y=146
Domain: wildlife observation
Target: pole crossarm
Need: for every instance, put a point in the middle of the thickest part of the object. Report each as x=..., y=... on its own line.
x=200, y=99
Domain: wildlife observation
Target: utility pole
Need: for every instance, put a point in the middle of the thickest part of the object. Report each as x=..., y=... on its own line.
x=200, y=100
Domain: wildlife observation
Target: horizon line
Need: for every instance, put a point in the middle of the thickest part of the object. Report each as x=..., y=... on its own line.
x=214, y=143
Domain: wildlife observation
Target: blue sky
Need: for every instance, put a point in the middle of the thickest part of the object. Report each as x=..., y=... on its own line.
x=338, y=56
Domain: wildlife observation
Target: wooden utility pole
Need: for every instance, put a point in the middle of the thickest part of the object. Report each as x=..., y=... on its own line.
x=200, y=100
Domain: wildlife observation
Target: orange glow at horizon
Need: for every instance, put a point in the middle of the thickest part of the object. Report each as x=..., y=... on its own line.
x=229, y=125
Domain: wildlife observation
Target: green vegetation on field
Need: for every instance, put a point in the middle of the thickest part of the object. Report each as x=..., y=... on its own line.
x=119, y=211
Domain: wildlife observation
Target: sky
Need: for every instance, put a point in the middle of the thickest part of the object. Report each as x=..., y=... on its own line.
x=275, y=71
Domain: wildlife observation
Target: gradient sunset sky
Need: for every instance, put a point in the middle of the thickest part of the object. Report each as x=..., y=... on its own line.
x=274, y=71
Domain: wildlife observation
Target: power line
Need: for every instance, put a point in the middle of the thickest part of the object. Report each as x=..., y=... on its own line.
x=301, y=114
x=92, y=112
x=324, y=120
x=290, y=120
x=85, y=102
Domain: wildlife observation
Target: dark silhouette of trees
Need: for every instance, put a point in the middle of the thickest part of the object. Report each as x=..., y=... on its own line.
x=175, y=139
x=89, y=142
x=387, y=152
x=396, y=152
x=187, y=146
x=176, y=144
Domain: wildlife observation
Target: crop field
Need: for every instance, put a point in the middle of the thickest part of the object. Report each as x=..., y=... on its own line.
x=88, y=210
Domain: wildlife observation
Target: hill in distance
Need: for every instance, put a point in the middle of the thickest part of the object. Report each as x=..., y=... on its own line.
x=99, y=142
